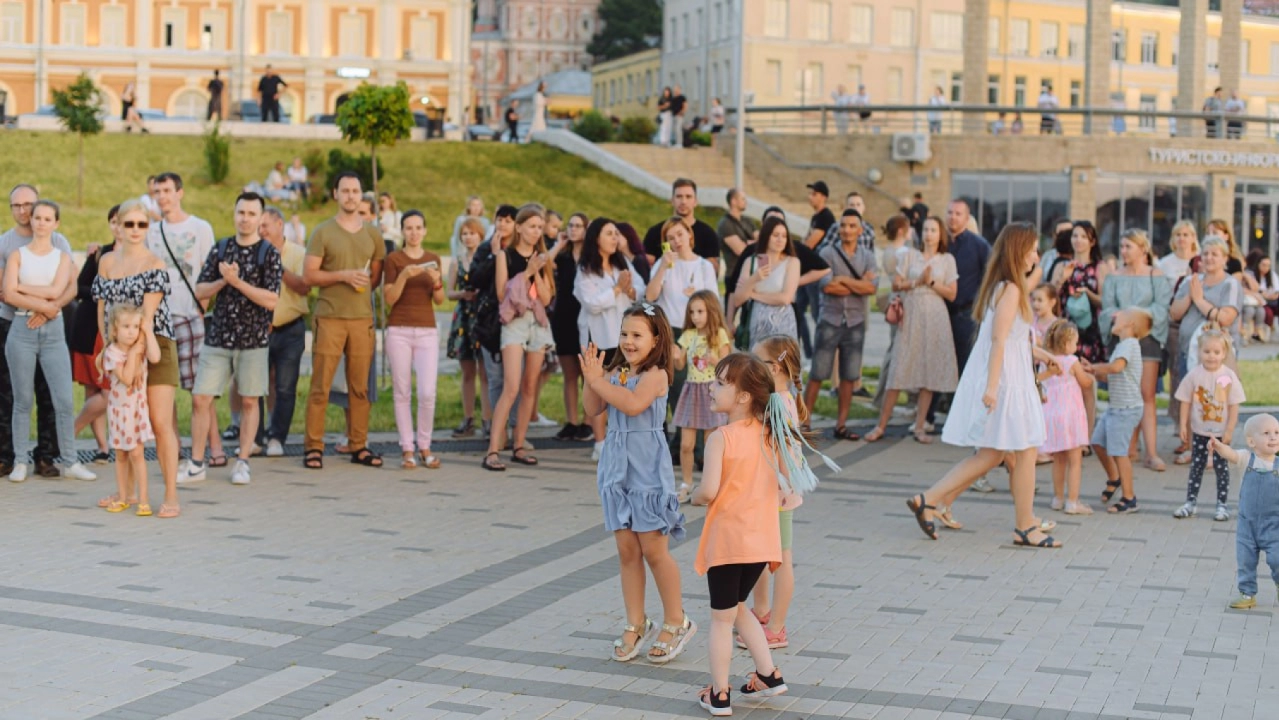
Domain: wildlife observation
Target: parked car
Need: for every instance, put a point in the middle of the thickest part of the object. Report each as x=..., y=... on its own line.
x=251, y=111
x=322, y=119
x=481, y=131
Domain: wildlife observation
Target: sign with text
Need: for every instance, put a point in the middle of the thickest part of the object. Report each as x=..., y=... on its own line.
x=1214, y=158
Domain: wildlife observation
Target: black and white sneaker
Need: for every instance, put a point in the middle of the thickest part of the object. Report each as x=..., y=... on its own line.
x=583, y=433
x=717, y=704
x=568, y=432
x=232, y=432
x=759, y=686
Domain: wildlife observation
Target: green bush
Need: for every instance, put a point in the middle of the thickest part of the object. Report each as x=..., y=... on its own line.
x=217, y=154
x=594, y=127
x=637, y=130
x=316, y=168
x=362, y=165
x=700, y=138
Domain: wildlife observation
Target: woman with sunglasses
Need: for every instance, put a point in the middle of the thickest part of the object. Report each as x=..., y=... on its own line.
x=133, y=274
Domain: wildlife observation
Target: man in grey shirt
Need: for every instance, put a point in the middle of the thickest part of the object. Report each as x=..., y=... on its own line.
x=22, y=201
x=841, y=326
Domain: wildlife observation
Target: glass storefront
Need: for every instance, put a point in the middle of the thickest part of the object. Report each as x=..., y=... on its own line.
x=1257, y=216
x=998, y=199
x=1153, y=204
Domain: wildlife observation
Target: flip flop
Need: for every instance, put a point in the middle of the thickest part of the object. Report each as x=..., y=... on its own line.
x=218, y=461
x=169, y=511
x=144, y=510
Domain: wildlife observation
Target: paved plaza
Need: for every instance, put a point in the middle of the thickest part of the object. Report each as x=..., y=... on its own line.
x=356, y=594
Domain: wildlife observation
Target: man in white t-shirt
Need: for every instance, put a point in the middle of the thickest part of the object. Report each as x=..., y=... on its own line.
x=842, y=100
x=862, y=100
x=1048, y=119
x=183, y=242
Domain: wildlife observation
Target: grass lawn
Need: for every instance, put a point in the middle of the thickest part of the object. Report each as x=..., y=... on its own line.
x=435, y=177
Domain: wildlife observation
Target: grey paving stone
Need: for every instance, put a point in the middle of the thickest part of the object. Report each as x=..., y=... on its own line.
x=457, y=707
x=823, y=655
x=901, y=610
x=975, y=640
x=216, y=518
x=266, y=556
x=1088, y=568
x=377, y=531
x=1164, y=588
x=353, y=514
x=1063, y=671
x=139, y=588
x=414, y=549
x=1119, y=626
x=1033, y=599
x=101, y=543
x=88, y=524
x=251, y=538
x=1170, y=709
x=849, y=538
x=958, y=576
x=297, y=579
x=835, y=586
x=118, y=563
x=162, y=666
x=898, y=556
x=1211, y=655
x=510, y=526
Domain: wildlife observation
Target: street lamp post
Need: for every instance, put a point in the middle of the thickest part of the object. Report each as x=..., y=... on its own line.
x=739, y=147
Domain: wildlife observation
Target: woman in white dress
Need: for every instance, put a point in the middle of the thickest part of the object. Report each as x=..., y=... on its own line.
x=996, y=408
x=539, y=110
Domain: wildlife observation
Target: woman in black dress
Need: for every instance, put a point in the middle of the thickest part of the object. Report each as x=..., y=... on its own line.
x=86, y=343
x=564, y=317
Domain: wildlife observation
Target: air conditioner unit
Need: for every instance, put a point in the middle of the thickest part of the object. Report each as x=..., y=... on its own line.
x=910, y=147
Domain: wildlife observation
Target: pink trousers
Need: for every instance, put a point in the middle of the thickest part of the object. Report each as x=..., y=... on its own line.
x=413, y=351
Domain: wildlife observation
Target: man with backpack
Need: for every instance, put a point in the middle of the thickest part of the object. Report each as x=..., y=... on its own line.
x=244, y=273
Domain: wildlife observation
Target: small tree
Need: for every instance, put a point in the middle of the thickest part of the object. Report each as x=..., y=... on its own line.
x=78, y=108
x=217, y=154
x=376, y=115
x=594, y=127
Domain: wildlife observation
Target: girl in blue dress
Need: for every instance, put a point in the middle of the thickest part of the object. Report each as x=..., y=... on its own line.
x=636, y=480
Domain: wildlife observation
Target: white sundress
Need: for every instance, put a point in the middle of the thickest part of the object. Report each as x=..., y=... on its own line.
x=1017, y=423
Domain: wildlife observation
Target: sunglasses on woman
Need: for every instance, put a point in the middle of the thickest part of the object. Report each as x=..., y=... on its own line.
x=139, y=224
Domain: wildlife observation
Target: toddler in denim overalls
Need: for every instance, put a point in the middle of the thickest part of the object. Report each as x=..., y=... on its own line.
x=1258, y=527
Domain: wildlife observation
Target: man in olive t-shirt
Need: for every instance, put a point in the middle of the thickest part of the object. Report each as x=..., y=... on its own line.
x=344, y=260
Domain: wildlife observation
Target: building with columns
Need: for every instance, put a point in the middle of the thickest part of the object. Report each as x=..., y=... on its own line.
x=797, y=52
x=169, y=49
x=518, y=41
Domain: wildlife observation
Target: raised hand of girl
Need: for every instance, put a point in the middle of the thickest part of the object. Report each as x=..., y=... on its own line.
x=592, y=360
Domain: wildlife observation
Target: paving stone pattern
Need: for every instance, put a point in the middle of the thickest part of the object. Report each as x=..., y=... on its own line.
x=348, y=594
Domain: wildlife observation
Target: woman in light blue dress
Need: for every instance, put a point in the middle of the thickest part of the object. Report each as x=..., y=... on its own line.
x=996, y=409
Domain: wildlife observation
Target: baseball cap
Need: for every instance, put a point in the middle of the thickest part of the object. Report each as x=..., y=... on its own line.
x=819, y=187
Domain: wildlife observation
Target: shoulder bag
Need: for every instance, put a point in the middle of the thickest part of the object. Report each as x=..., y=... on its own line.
x=742, y=335
x=164, y=239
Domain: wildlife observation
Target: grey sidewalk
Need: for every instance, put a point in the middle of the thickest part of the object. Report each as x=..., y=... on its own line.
x=456, y=593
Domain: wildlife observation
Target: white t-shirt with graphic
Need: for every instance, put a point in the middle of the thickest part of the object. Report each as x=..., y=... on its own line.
x=191, y=241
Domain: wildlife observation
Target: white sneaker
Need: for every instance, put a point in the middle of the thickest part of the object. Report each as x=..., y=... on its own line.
x=254, y=450
x=595, y=454
x=240, y=476
x=982, y=486
x=77, y=471
x=543, y=421
x=274, y=448
x=1185, y=511
x=193, y=472
x=19, y=473
x=1222, y=513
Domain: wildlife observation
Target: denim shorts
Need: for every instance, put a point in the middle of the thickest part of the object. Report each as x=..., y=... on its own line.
x=1114, y=430
x=218, y=366
x=525, y=331
x=849, y=341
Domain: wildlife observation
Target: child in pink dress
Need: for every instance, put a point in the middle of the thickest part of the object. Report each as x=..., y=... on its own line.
x=124, y=361
x=1065, y=418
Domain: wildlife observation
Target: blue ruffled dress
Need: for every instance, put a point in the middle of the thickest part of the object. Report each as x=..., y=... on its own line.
x=635, y=476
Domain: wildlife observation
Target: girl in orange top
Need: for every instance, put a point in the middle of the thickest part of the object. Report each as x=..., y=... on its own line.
x=741, y=535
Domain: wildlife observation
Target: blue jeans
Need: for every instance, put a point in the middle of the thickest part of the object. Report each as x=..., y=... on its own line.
x=493, y=367
x=808, y=299
x=46, y=346
x=284, y=355
x=46, y=438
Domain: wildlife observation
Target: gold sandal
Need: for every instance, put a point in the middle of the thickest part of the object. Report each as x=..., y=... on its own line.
x=680, y=635
x=428, y=461
x=641, y=635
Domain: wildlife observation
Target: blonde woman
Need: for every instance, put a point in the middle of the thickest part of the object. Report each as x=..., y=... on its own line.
x=1234, y=257
x=1176, y=266
x=1137, y=283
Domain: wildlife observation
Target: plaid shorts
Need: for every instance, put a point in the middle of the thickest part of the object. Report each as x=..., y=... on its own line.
x=188, y=333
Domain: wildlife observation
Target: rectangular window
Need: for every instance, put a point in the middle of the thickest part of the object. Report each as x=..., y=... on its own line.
x=351, y=35
x=894, y=84
x=861, y=24
x=854, y=75
x=1076, y=93
x=1212, y=50
x=810, y=84
x=1019, y=37
x=173, y=24
x=938, y=80
x=718, y=27
x=776, y=18
x=699, y=28
x=946, y=30
x=1049, y=38
x=1119, y=45
x=993, y=40
x=903, y=30
x=956, y=86
x=1245, y=50
x=1019, y=90
x=1176, y=48
x=819, y=20
x=113, y=32
x=774, y=75
x=12, y=23
x=674, y=36
x=1149, y=48
x=72, y=24
x=1147, y=105
x=213, y=35
x=279, y=33
x=688, y=32
x=423, y=36
x=1274, y=58
x=992, y=89
x=1075, y=42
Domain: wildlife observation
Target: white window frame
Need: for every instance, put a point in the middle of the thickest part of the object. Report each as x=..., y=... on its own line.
x=1019, y=37
x=216, y=19
x=896, y=84
x=1149, y=47
x=1212, y=53
x=994, y=41
x=350, y=42
x=861, y=24
x=279, y=32
x=819, y=20
x=73, y=20
x=777, y=18
x=175, y=17
x=1145, y=105
x=773, y=71
x=113, y=26
x=903, y=27
x=13, y=23
x=1049, y=38
x=1076, y=39
x=946, y=30
x=811, y=82
x=424, y=32
x=1245, y=50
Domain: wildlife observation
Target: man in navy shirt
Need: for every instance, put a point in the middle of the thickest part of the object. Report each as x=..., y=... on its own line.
x=971, y=251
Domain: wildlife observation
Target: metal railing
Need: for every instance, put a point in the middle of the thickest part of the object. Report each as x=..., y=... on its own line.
x=1015, y=120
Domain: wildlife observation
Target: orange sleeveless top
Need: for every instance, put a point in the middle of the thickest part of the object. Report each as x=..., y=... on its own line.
x=741, y=522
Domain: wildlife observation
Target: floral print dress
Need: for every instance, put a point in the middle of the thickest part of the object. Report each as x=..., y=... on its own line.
x=1091, y=347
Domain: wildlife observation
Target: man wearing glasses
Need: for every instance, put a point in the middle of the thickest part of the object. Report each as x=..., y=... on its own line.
x=22, y=200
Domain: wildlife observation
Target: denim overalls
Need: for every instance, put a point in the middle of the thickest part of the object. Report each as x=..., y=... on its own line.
x=1258, y=527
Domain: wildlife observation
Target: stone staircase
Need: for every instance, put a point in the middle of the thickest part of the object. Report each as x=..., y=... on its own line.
x=709, y=169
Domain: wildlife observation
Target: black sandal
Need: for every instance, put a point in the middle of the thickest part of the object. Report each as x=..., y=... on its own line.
x=495, y=466
x=217, y=461
x=313, y=459
x=1024, y=539
x=918, y=506
x=522, y=459
x=843, y=433
x=1109, y=492
x=1124, y=506
x=367, y=458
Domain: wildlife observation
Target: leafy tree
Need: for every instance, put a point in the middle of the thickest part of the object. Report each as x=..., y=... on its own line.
x=217, y=154
x=376, y=115
x=594, y=127
x=626, y=27
x=339, y=162
x=79, y=109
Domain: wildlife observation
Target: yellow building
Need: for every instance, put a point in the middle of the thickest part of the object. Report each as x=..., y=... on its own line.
x=170, y=48
x=628, y=86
